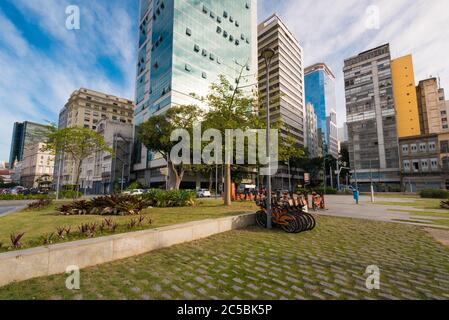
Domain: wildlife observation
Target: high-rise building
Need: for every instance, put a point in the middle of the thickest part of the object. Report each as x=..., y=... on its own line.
x=343, y=135
x=371, y=117
x=286, y=78
x=432, y=107
x=405, y=97
x=320, y=91
x=86, y=108
x=313, y=143
x=184, y=45
x=25, y=135
x=101, y=172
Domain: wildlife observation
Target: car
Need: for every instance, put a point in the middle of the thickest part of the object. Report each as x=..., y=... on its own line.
x=18, y=190
x=203, y=193
x=137, y=192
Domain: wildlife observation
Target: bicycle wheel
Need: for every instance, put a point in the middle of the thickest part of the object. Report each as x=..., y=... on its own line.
x=313, y=221
x=261, y=218
x=291, y=225
x=304, y=222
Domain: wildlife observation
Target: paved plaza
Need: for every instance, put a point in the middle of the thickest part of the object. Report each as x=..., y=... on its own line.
x=327, y=263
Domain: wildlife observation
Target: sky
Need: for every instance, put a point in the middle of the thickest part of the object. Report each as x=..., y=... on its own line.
x=42, y=62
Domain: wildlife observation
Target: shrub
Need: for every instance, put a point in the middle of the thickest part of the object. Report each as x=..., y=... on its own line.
x=23, y=197
x=434, y=194
x=318, y=190
x=170, y=198
x=40, y=204
x=122, y=205
x=15, y=240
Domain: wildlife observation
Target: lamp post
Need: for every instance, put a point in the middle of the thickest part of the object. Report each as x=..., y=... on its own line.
x=267, y=55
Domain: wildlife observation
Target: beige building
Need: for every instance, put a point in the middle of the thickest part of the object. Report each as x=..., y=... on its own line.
x=287, y=102
x=86, y=108
x=101, y=171
x=432, y=107
x=36, y=164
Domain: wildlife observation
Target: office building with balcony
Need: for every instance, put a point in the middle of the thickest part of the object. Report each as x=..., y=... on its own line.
x=371, y=118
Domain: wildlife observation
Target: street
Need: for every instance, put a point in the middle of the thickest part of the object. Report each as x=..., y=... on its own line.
x=9, y=207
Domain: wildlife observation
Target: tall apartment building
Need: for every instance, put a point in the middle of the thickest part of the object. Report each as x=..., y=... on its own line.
x=314, y=146
x=184, y=45
x=25, y=135
x=405, y=98
x=286, y=77
x=86, y=108
x=320, y=91
x=432, y=107
x=371, y=117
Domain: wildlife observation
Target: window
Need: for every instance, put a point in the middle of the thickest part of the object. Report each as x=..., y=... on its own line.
x=218, y=19
x=424, y=165
x=188, y=67
x=219, y=30
x=231, y=19
x=212, y=57
x=237, y=24
x=212, y=15
x=204, y=53
x=237, y=42
x=204, y=75
x=247, y=5
x=422, y=147
x=432, y=146
x=225, y=14
x=406, y=165
x=188, y=32
x=415, y=166
x=196, y=48
x=231, y=38
x=434, y=163
x=414, y=148
x=405, y=149
x=225, y=34
x=205, y=9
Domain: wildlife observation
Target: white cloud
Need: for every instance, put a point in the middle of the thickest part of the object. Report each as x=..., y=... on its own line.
x=36, y=82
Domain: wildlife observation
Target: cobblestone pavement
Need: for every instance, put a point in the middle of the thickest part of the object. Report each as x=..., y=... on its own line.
x=327, y=263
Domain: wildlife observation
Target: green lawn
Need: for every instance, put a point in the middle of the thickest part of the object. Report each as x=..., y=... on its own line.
x=36, y=224
x=326, y=263
x=414, y=202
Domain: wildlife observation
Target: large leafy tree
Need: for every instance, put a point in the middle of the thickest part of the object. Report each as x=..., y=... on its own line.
x=156, y=132
x=230, y=107
x=76, y=144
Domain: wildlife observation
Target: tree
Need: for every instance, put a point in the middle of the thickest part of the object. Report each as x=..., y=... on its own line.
x=229, y=108
x=290, y=152
x=76, y=144
x=155, y=135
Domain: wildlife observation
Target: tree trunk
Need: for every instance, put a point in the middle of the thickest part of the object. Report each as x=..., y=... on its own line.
x=77, y=180
x=174, y=178
x=210, y=180
x=227, y=194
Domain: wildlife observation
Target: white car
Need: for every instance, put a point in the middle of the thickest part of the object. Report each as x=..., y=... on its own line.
x=137, y=192
x=203, y=193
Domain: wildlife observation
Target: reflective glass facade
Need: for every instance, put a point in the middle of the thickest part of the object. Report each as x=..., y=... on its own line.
x=320, y=92
x=184, y=45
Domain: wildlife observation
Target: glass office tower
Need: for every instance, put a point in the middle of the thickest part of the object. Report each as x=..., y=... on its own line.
x=184, y=45
x=320, y=92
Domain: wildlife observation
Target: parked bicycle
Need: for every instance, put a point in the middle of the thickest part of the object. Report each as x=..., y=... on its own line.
x=287, y=213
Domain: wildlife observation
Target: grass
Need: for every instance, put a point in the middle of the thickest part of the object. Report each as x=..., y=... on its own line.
x=416, y=203
x=36, y=224
x=394, y=195
x=327, y=263
x=416, y=213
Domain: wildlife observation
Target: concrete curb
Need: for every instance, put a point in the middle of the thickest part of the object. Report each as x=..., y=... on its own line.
x=49, y=260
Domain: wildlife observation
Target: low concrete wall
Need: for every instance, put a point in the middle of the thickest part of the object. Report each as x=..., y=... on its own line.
x=44, y=261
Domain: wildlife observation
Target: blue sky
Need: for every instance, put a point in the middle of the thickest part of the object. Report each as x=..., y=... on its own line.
x=41, y=62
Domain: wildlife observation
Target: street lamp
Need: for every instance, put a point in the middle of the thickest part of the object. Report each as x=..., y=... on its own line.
x=267, y=55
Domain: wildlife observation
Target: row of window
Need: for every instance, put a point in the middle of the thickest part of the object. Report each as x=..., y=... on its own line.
x=423, y=147
x=420, y=165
